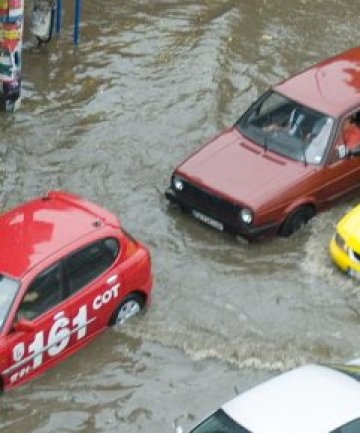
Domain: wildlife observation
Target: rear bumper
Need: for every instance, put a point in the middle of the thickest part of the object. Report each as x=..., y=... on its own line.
x=239, y=228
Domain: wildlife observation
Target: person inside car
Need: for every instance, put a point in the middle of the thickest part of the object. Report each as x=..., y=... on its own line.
x=351, y=131
x=292, y=126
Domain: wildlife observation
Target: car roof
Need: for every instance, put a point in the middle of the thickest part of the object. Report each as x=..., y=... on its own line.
x=39, y=228
x=332, y=86
x=311, y=399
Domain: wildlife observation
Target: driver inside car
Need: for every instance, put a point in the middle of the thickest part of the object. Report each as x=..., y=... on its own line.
x=292, y=125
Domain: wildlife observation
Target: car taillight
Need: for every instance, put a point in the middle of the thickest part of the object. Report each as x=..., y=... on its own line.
x=129, y=236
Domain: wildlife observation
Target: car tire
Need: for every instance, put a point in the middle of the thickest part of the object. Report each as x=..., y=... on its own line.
x=296, y=220
x=129, y=307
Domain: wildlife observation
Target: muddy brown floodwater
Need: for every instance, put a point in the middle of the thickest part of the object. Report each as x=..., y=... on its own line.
x=150, y=81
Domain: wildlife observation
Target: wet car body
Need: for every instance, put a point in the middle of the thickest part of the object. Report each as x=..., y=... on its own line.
x=67, y=271
x=312, y=398
x=253, y=180
x=345, y=244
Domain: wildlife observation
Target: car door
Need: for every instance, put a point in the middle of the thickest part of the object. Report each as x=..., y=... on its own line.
x=341, y=173
x=94, y=287
x=41, y=332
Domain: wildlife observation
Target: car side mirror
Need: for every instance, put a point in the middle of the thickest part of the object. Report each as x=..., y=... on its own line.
x=342, y=151
x=354, y=152
x=23, y=325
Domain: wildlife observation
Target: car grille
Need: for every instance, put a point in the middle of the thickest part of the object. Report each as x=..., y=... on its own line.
x=212, y=205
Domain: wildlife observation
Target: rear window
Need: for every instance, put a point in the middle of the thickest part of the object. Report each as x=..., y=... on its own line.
x=218, y=422
x=351, y=370
x=350, y=427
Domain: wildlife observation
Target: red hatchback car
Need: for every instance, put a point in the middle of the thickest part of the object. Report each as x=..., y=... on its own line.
x=67, y=271
x=293, y=153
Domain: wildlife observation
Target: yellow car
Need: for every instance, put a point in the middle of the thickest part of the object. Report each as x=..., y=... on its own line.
x=345, y=244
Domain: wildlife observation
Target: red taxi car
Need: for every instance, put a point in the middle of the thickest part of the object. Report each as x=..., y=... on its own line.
x=293, y=153
x=67, y=271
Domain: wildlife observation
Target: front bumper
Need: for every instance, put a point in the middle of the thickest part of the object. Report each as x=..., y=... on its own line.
x=238, y=228
x=342, y=259
x=339, y=256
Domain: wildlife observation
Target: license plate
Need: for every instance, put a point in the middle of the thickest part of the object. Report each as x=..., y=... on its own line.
x=207, y=220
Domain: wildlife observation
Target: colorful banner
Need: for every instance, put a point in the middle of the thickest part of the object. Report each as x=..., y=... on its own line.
x=15, y=11
x=4, y=6
x=3, y=10
x=10, y=35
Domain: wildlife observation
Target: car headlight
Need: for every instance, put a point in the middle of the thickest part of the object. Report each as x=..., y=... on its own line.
x=178, y=184
x=246, y=215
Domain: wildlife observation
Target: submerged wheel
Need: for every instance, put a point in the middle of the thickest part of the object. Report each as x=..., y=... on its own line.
x=129, y=307
x=296, y=220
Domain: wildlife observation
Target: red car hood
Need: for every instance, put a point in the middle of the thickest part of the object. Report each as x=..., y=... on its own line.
x=234, y=167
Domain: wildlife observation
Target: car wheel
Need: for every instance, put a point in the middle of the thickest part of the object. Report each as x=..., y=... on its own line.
x=296, y=220
x=129, y=307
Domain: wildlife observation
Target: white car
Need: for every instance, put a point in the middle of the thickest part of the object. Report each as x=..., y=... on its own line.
x=308, y=399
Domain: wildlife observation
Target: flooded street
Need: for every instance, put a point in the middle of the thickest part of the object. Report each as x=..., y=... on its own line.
x=150, y=82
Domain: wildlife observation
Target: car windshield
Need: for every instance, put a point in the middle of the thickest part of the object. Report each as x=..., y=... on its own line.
x=8, y=290
x=288, y=128
x=219, y=422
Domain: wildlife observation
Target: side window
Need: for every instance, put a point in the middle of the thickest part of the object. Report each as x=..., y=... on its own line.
x=351, y=131
x=349, y=136
x=42, y=294
x=88, y=263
